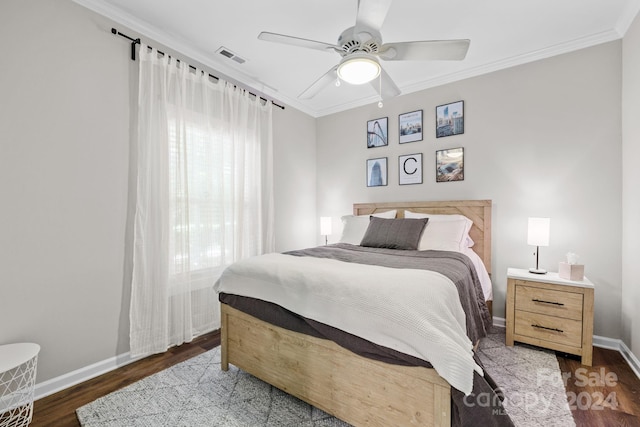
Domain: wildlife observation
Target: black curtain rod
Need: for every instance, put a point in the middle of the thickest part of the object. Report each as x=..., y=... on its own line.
x=134, y=42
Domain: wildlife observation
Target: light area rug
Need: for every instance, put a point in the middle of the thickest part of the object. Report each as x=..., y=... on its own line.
x=530, y=378
x=198, y=393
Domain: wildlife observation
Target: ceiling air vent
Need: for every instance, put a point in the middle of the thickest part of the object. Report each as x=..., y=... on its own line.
x=226, y=52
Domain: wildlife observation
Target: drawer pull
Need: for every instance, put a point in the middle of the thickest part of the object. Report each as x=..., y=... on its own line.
x=548, y=329
x=546, y=302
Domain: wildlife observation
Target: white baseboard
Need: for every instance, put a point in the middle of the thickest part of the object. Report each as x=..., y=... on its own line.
x=499, y=322
x=622, y=348
x=78, y=376
x=631, y=358
x=610, y=343
x=602, y=342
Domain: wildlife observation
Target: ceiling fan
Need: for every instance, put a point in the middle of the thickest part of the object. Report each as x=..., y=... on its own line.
x=361, y=48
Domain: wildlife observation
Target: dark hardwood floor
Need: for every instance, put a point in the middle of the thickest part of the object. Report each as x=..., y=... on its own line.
x=606, y=394
x=593, y=391
x=58, y=410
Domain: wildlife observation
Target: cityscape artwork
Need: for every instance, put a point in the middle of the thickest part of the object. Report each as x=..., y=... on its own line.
x=450, y=119
x=410, y=125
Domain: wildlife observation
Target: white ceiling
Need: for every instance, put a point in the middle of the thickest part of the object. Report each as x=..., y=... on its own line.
x=503, y=33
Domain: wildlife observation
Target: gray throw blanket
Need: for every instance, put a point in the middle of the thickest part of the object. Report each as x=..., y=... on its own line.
x=454, y=265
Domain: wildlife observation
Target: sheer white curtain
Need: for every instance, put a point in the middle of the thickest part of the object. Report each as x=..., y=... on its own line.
x=204, y=197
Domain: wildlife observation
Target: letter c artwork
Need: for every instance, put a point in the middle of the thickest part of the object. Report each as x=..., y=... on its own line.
x=415, y=168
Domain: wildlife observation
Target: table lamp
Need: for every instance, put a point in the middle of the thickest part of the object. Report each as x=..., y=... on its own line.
x=325, y=228
x=538, y=235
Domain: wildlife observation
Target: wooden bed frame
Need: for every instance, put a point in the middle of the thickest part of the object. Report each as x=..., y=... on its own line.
x=360, y=391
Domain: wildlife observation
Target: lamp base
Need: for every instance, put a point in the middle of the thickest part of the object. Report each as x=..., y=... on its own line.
x=537, y=271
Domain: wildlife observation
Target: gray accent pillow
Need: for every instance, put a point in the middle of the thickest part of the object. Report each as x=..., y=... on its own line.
x=398, y=233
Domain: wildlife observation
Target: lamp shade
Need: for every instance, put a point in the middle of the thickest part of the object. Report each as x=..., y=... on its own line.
x=358, y=69
x=325, y=225
x=538, y=234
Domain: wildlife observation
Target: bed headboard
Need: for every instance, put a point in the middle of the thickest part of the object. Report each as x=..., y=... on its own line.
x=479, y=211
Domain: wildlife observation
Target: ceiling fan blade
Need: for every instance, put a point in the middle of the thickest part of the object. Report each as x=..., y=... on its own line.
x=324, y=81
x=425, y=50
x=296, y=41
x=388, y=87
x=372, y=13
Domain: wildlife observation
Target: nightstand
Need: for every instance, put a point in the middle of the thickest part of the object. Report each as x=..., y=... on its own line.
x=547, y=311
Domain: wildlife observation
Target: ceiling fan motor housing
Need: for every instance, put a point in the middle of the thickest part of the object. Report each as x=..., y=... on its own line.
x=354, y=40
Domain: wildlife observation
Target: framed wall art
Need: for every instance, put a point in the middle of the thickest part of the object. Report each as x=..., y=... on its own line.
x=377, y=172
x=410, y=169
x=377, y=132
x=450, y=165
x=450, y=119
x=410, y=126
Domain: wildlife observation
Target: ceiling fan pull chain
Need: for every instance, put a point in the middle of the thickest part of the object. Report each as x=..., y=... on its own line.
x=380, y=104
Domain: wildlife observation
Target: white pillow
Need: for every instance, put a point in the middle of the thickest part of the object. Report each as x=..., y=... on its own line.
x=444, y=232
x=354, y=226
x=483, y=275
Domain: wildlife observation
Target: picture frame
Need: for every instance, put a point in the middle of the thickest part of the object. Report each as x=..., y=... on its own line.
x=410, y=169
x=378, y=132
x=410, y=126
x=377, y=172
x=450, y=165
x=450, y=119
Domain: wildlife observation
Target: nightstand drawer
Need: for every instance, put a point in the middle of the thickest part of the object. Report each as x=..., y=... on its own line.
x=549, y=328
x=546, y=301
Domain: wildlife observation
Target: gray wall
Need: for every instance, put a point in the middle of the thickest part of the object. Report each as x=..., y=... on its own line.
x=295, y=179
x=64, y=178
x=541, y=139
x=630, y=189
x=67, y=85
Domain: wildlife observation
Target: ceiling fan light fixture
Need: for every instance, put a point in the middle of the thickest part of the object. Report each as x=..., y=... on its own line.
x=358, y=69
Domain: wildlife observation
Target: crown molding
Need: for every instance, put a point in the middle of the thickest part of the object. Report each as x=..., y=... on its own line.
x=254, y=85
x=513, y=61
x=184, y=48
x=629, y=14
x=491, y=67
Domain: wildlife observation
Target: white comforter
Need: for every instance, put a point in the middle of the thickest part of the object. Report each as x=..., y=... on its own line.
x=416, y=312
